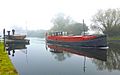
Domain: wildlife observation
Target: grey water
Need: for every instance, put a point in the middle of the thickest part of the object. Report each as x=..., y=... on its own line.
x=40, y=59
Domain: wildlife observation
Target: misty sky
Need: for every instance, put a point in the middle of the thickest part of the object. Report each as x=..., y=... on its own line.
x=37, y=14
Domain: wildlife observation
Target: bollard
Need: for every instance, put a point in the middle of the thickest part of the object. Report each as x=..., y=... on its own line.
x=13, y=31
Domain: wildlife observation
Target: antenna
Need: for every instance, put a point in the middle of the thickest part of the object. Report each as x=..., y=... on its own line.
x=26, y=26
x=83, y=27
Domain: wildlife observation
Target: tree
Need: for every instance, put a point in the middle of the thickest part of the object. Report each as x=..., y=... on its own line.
x=36, y=33
x=76, y=28
x=65, y=23
x=108, y=21
x=60, y=21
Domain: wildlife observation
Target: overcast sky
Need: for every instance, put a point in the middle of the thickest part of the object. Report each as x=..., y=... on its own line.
x=37, y=14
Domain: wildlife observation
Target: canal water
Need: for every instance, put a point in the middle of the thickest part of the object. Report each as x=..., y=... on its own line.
x=41, y=59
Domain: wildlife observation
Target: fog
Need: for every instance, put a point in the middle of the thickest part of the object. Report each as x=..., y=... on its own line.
x=37, y=14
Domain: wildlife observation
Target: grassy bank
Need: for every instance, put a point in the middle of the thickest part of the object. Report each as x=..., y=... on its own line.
x=6, y=67
x=114, y=38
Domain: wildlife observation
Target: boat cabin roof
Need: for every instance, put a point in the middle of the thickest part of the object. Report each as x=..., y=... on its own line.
x=57, y=33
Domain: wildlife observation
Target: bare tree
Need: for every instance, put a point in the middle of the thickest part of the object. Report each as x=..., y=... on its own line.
x=108, y=21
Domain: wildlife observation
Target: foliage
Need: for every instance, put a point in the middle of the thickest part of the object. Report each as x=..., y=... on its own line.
x=65, y=23
x=108, y=21
x=36, y=33
x=6, y=67
x=60, y=21
x=76, y=28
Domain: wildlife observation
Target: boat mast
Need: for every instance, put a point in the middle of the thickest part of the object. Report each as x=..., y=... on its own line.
x=83, y=27
x=84, y=67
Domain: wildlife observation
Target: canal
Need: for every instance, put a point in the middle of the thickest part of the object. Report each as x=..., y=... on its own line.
x=37, y=59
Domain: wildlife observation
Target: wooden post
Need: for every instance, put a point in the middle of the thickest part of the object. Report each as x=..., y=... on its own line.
x=4, y=38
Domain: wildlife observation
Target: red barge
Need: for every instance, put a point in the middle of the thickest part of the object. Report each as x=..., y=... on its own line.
x=82, y=40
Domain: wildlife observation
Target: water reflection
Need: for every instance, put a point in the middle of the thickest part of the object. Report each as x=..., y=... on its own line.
x=13, y=47
x=63, y=52
x=60, y=55
x=60, y=60
x=106, y=59
x=113, y=58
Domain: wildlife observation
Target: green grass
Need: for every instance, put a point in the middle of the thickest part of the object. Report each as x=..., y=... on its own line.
x=114, y=38
x=6, y=67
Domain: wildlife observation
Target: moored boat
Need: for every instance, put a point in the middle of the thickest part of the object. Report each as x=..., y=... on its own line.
x=16, y=37
x=11, y=41
x=82, y=40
